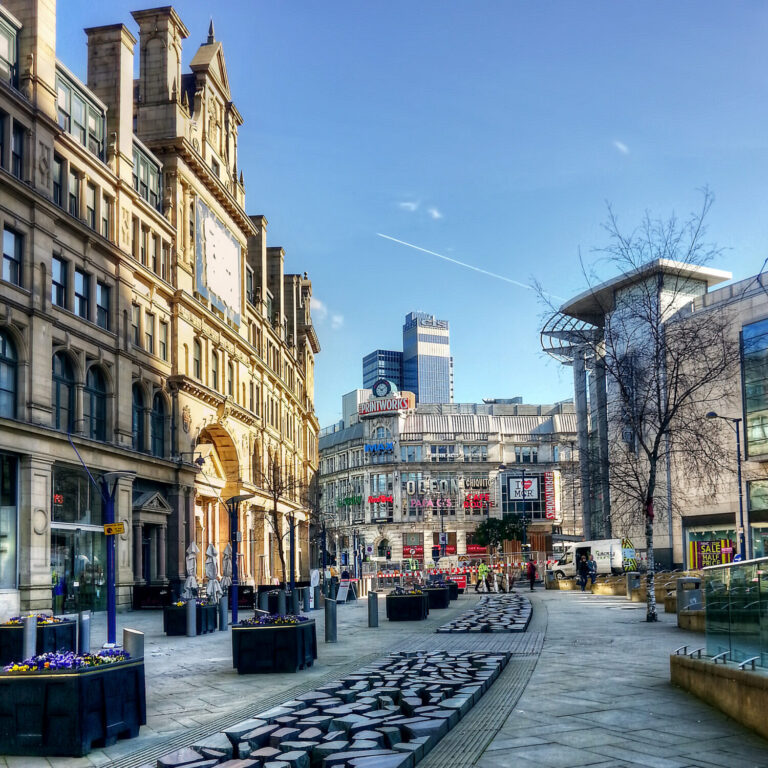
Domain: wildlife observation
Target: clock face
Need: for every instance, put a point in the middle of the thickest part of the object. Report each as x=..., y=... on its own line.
x=381, y=388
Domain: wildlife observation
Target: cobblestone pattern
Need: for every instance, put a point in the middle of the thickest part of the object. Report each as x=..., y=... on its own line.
x=389, y=714
x=494, y=613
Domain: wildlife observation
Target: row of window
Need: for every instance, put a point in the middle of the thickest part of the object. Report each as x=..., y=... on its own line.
x=146, y=177
x=80, y=115
x=68, y=191
x=149, y=334
x=12, y=143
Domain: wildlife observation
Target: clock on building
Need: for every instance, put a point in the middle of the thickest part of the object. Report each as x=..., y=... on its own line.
x=381, y=388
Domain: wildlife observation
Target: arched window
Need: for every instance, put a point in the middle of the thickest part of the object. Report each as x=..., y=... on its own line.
x=384, y=545
x=158, y=425
x=95, y=405
x=230, y=380
x=7, y=377
x=63, y=395
x=138, y=418
x=383, y=433
x=197, y=355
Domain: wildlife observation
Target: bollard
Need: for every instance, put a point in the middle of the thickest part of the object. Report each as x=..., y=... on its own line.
x=223, y=617
x=295, y=601
x=263, y=601
x=133, y=643
x=305, y=592
x=30, y=637
x=373, y=609
x=330, y=620
x=84, y=632
x=191, y=617
x=317, y=597
x=281, y=602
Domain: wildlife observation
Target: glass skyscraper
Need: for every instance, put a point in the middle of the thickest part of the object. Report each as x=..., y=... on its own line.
x=383, y=364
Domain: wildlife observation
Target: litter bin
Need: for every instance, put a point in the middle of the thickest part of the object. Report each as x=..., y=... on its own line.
x=689, y=593
x=633, y=583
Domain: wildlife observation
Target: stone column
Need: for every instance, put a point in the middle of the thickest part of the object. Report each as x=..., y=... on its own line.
x=582, y=428
x=161, y=575
x=124, y=556
x=153, y=536
x=138, y=553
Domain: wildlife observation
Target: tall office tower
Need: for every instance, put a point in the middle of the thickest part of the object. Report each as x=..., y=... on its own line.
x=383, y=364
x=427, y=361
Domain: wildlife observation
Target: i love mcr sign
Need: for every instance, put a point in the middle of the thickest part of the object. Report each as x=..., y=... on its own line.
x=524, y=489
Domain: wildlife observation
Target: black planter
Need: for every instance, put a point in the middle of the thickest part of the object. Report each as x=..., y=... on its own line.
x=454, y=589
x=407, y=607
x=50, y=637
x=175, y=619
x=69, y=713
x=439, y=597
x=272, y=602
x=274, y=649
x=245, y=597
x=149, y=596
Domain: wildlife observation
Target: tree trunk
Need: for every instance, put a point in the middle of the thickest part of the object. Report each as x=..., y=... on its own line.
x=651, y=614
x=278, y=541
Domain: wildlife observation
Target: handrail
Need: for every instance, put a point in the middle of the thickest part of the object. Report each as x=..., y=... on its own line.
x=721, y=656
x=696, y=651
x=750, y=661
x=683, y=648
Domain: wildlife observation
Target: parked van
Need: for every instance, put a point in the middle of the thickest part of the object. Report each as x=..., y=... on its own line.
x=607, y=554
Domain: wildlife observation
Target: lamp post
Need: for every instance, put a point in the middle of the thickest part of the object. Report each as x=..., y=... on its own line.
x=736, y=423
x=108, y=487
x=233, y=507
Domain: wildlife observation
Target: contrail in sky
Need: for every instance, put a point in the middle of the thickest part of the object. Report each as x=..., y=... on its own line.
x=463, y=264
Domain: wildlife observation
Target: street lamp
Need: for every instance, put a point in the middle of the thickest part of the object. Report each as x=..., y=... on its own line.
x=736, y=422
x=233, y=506
x=108, y=488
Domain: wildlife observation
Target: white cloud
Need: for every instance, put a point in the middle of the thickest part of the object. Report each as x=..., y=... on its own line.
x=319, y=310
x=622, y=147
x=435, y=213
x=409, y=205
x=337, y=321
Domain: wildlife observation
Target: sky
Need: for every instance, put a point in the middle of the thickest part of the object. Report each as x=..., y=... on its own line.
x=489, y=132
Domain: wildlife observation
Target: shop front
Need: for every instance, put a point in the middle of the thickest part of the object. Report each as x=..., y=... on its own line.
x=710, y=545
x=9, y=511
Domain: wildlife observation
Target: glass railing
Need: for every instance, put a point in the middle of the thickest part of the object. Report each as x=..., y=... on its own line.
x=736, y=604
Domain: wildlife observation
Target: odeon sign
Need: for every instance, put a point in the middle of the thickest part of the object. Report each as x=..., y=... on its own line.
x=383, y=405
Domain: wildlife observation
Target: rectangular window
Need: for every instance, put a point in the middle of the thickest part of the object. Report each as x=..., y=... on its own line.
x=106, y=216
x=475, y=453
x=146, y=177
x=12, y=256
x=143, y=246
x=90, y=205
x=74, y=193
x=442, y=453
x=165, y=262
x=135, y=325
x=156, y=254
x=102, y=305
x=59, y=282
x=58, y=180
x=215, y=370
x=3, y=133
x=149, y=332
x=17, y=150
x=754, y=352
x=163, y=341
x=526, y=454
x=80, y=116
x=82, y=293
x=7, y=56
x=249, y=285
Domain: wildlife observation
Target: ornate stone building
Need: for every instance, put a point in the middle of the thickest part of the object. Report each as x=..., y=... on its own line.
x=145, y=323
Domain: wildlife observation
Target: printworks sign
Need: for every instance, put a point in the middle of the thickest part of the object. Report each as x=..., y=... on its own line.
x=714, y=552
x=382, y=405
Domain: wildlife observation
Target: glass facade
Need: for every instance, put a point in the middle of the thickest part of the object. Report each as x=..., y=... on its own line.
x=754, y=355
x=427, y=362
x=383, y=364
x=8, y=518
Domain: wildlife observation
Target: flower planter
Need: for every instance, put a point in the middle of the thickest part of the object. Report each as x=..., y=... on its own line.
x=50, y=637
x=439, y=597
x=69, y=712
x=286, y=648
x=175, y=619
x=407, y=607
x=453, y=589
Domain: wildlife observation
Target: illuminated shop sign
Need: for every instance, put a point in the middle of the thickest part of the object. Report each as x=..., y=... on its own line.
x=476, y=549
x=380, y=499
x=477, y=482
x=383, y=405
x=350, y=501
x=425, y=486
x=549, y=496
x=477, y=501
x=379, y=447
x=428, y=503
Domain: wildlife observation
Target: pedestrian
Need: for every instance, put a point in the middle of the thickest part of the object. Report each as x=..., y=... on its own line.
x=504, y=582
x=531, y=572
x=592, y=570
x=482, y=573
x=583, y=570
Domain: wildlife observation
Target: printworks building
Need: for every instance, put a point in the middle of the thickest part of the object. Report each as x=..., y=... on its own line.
x=145, y=325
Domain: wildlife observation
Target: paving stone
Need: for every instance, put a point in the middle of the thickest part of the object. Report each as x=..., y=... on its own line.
x=241, y=764
x=218, y=742
x=311, y=734
x=179, y=757
x=266, y=753
x=320, y=752
x=296, y=759
x=283, y=734
x=259, y=737
x=339, y=759
x=383, y=761
x=235, y=732
x=297, y=746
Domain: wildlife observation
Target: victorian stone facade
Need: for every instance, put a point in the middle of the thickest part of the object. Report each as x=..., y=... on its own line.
x=145, y=324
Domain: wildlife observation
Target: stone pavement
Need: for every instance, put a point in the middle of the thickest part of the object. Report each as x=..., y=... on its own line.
x=588, y=685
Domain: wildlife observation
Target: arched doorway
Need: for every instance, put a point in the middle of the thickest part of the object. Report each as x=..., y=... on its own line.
x=383, y=547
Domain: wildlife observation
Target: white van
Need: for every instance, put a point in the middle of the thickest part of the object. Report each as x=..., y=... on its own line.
x=607, y=554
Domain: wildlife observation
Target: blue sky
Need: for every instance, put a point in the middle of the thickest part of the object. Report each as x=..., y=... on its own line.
x=490, y=131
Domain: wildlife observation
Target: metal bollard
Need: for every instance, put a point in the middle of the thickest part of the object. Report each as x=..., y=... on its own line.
x=282, y=608
x=295, y=601
x=30, y=637
x=305, y=592
x=133, y=643
x=330, y=620
x=373, y=609
x=223, y=614
x=84, y=632
x=191, y=617
x=263, y=601
x=317, y=597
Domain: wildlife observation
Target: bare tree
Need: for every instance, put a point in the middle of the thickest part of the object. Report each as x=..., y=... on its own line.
x=664, y=366
x=281, y=485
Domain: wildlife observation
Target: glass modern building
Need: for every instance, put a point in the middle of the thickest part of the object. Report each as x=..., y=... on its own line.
x=427, y=361
x=383, y=364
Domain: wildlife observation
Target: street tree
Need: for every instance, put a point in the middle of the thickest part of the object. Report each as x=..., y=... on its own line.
x=664, y=367
x=493, y=532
